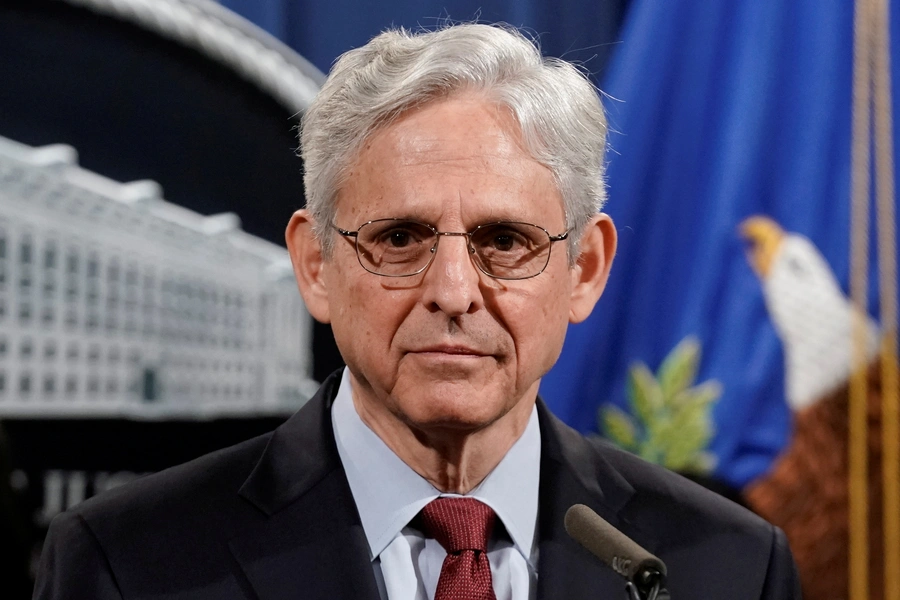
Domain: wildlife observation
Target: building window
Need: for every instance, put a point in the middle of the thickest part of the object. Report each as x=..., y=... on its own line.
x=71, y=385
x=25, y=250
x=93, y=265
x=50, y=350
x=25, y=384
x=49, y=385
x=72, y=261
x=50, y=256
x=112, y=271
x=131, y=275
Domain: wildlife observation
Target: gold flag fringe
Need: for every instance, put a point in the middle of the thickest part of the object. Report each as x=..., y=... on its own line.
x=871, y=77
x=887, y=278
x=860, y=168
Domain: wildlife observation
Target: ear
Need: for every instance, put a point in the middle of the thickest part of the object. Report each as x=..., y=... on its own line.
x=306, y=257
x=591, y=270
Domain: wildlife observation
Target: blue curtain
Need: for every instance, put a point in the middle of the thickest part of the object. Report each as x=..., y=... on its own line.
x=321, y=30
x=721, y=110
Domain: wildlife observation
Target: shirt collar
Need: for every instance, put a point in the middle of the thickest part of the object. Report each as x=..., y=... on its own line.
x=388, y=493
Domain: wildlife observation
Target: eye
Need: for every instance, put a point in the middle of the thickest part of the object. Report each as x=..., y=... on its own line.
x=503, y=241
x=399, y=238
x=502, y=237
x=395, y=235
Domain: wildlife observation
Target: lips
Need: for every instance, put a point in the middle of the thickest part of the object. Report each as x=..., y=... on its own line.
x=449, y=350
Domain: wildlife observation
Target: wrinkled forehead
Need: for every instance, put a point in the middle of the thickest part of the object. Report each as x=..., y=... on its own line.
x=461, y=157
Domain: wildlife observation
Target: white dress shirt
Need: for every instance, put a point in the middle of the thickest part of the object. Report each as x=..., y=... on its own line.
x=389, y=494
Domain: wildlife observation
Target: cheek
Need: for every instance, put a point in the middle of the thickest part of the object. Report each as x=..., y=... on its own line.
x=367, y=315
x=540, y=328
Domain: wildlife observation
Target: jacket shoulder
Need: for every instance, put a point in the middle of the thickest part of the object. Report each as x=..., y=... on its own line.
x=657, y=487
x=160, y=532
x=199, y=482
x=700, y=535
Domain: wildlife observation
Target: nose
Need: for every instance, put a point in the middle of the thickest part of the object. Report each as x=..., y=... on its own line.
x=451, y=283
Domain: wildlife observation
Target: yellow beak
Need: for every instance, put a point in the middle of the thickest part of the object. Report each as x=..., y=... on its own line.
x=764, y=237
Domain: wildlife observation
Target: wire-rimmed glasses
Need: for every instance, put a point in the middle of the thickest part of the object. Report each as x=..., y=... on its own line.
x=403, y=248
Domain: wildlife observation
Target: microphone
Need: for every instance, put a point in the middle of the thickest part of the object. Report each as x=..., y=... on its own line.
x=646, y=574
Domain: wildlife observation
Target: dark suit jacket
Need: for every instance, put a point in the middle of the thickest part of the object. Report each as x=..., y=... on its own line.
x=273, y=518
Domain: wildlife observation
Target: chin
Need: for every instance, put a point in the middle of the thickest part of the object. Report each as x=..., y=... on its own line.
x=438, y=413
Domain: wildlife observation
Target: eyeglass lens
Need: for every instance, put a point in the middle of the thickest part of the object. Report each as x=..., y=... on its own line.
x=507, y=250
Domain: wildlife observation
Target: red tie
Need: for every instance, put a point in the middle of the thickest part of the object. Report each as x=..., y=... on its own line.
x=463, y=527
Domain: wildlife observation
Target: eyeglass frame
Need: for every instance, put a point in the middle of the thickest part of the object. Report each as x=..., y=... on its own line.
x=468, y=234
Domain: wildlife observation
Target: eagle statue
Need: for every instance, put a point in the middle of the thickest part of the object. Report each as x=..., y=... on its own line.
x=805, y=492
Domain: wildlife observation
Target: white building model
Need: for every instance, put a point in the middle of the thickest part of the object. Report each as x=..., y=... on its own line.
x=114, y=302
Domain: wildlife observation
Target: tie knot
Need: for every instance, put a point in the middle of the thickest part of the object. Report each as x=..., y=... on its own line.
x=459, y=523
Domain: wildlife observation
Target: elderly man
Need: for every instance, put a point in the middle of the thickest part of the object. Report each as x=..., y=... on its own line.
x=454, y=181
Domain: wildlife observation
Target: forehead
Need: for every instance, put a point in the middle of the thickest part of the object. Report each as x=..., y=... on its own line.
x=459, y=159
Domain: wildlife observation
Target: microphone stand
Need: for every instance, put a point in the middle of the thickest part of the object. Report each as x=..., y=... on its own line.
x=655, y=593
x=651, y=588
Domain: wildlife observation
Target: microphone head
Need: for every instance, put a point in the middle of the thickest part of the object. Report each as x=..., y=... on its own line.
x=615, y=549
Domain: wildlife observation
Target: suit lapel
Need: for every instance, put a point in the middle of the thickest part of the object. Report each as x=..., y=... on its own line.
x=573, y=472
x=311, y=543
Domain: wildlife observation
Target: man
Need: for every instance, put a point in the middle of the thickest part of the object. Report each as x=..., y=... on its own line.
x=454, y=181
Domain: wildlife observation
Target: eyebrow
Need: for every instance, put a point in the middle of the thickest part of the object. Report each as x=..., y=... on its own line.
x=493, y=218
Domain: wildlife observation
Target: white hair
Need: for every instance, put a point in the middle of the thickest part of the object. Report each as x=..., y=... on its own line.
x=557, y=107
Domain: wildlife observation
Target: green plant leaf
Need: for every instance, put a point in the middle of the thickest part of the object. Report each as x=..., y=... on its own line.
x=650, y=453
x=702, y=463
x=679, y=368
x=619, y=427
x=671, y=424
x=698, y=398
x=644, y=394
x=689, y=429
x=683, y=448
x=693, y=422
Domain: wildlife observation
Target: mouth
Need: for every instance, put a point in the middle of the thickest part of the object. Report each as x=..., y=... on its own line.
x=450, y=350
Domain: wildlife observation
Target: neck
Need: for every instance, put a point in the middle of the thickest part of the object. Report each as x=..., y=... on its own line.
x=453, y=460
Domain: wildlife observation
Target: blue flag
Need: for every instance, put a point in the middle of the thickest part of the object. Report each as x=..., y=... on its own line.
x=719, y=111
